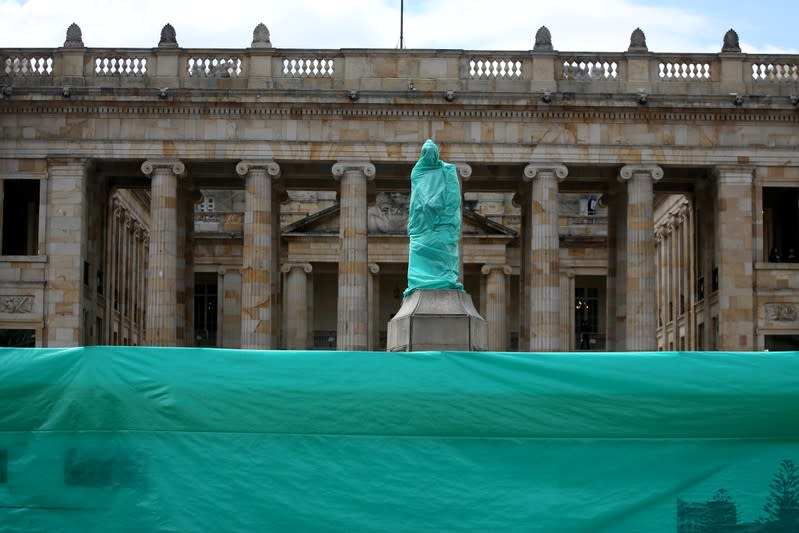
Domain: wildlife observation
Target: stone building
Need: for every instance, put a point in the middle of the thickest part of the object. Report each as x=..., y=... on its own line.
x=257, y=197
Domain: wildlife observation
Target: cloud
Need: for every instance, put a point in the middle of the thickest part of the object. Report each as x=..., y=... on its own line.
x=577, y=25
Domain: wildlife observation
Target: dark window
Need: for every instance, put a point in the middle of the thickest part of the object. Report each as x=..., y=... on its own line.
x=205, y=310
x=86, y=273
x=781, y=223
x=17, y=338
x=782, y=343
x=20, y=217
x=586, y=317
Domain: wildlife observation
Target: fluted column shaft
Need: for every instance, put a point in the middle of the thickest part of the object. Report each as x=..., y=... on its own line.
x=296, y=301
x=162, y=265
x=734, y=238
x=690, y=275
x=640, y=308
x=496, y=317
x=256, y=272
x=352, y=327
x=522, y=201
x=544, y=256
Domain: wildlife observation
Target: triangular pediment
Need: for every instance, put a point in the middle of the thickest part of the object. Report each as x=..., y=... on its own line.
x=389, y=216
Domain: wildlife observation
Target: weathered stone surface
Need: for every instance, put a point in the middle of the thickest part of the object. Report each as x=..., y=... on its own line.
x=437, y=320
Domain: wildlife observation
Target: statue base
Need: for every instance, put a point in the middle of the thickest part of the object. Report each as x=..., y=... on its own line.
x=437, y=320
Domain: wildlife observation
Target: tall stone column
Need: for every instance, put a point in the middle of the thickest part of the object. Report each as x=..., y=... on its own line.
x=353, y=319
x=256, y=272
x=66, y=249
x=296, y=301
x=114, y=212
x=658, y=277
x=374, y=307
x=674, y=290
x=138, y=236
x=145, y=295
x=162, y=264
x=690, y=285
x=735, y=258
x=496, y=305
x=521, y=199
x=640, y=308
x=544, y=256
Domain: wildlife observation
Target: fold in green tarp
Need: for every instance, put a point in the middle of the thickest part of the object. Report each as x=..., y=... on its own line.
x=156, y=439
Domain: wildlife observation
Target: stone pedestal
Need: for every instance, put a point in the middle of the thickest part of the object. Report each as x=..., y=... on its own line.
x=437, y=320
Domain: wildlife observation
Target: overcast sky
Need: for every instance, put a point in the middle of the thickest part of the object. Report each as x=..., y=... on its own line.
x=764, y=26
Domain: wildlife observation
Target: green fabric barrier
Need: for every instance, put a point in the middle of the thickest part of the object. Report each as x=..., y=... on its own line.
x=434, y=224
x=171, y=439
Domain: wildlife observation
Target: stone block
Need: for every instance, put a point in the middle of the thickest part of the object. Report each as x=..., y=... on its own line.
x=437, y=320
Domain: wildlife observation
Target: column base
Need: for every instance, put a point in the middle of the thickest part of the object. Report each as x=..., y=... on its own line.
x=437, y=320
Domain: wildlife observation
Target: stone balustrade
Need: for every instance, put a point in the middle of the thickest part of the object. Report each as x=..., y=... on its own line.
x=363, y=73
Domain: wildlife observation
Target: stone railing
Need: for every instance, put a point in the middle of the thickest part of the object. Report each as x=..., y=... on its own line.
x=360, y=73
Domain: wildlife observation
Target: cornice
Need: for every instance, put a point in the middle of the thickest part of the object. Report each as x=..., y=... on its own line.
x=301, y=110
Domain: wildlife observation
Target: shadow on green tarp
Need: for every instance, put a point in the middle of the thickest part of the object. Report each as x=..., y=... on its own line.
x=182, y=439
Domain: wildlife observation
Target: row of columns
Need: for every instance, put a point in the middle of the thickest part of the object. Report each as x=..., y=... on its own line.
x=674, y=242
x=631, y=280
x=128, y=246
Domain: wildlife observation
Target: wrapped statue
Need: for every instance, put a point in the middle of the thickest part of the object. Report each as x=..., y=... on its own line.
x=434, y=224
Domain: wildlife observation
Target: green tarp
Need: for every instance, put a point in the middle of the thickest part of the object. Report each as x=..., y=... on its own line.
x=154, y=439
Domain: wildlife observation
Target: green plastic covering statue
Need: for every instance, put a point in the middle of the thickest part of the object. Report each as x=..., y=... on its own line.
x=434, y=224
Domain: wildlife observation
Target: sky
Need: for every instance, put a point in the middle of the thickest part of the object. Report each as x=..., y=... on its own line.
x=687, y=26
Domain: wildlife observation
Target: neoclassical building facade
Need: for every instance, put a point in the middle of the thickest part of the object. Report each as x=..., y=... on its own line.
x=257, y=197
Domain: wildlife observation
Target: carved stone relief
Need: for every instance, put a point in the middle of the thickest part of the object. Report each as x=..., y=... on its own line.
x=782, y=312
x=17, y=304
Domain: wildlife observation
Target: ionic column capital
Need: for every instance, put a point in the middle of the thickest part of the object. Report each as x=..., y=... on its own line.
x=374, y=268
x=271, y=167
x=464, y=170
x=175, y=166
x=361, y=165
x=489, y=268
x=542, y=170
x=288, y=267
x=652, y=171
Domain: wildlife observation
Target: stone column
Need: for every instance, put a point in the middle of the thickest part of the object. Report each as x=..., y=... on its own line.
x=495, y=306
x=640, y=309
x=66, y=247
x=124, y=279
x=544, y=256
x=353, y=316
x=735, y=258
x=691, y=275
x=136, y=293
x=374, y=307
x=256, y=273
x=464, y=171
x=162, y=264
x=522, y=200
x=193, y=196
x=612, y=199
x=296, y=300
x=658, y=277
x=674, y=278
x=145, y=296
x=110, y=272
